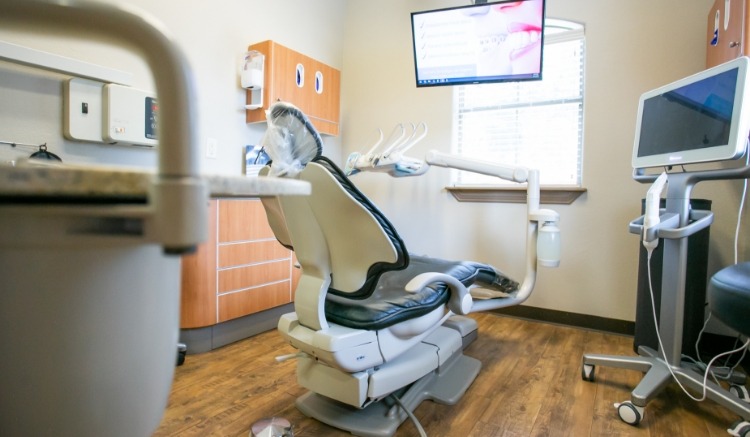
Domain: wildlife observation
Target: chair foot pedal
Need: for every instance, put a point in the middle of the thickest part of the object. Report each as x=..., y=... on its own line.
x=465, y=326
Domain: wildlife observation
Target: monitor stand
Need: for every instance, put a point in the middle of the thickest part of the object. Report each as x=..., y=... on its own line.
x=661, y=366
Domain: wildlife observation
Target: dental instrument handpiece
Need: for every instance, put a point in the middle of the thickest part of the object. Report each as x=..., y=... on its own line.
x=396, y=165
x=651, y=216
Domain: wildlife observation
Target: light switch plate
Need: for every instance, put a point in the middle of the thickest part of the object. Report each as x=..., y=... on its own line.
x=212, y=146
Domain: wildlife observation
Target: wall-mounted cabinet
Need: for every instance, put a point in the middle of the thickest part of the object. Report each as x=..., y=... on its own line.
x=240, y=270
x=312, y=86
x=727, y=32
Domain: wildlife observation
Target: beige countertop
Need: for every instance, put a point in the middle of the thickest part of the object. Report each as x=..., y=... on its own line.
x=42, y=180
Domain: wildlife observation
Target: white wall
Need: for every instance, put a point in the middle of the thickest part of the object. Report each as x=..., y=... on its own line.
x=213, y=35
x=632, y=46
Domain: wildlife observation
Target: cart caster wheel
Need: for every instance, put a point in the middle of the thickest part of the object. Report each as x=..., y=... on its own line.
x=630, y=413
x=587, y=372
x=740, y=428
x=740, y=391
x=181, y=352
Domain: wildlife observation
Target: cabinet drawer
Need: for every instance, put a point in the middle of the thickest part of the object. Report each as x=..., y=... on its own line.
x=250, y=276
x=238, y=304
x=243, y=220
x=250, y=253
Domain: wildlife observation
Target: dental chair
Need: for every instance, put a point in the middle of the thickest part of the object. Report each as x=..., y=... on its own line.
x=379, y=329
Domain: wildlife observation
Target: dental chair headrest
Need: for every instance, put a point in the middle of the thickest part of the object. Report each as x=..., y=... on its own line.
x=290, y=140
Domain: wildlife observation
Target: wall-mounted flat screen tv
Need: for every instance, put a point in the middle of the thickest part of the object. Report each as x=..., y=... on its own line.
x=483, y=42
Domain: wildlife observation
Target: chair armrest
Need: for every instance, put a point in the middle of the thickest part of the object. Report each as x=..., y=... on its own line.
x=460, y=301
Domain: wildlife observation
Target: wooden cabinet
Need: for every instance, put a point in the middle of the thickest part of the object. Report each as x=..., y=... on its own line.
x=240, y=270
x=727, y=33
x=311, y=85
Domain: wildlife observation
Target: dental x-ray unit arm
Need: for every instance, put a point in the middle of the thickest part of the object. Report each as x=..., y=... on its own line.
x=542, y=234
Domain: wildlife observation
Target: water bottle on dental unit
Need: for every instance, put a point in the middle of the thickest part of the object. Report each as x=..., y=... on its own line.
x=548, y=244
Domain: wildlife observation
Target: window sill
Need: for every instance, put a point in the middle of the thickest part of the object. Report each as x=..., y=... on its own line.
x=549, y=194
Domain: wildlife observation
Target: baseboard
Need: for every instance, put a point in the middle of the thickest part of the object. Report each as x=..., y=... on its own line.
x=566, y=318
x=710, y=344
x=200, y=340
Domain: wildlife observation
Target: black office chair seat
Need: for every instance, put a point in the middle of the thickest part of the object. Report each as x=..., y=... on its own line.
x=729, y=296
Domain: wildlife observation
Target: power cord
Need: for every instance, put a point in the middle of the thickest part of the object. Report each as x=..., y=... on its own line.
x=742, y=206
x=725, y=368
x=650, y=242
x=411, y=415
x=699, y=361
x=661, y=346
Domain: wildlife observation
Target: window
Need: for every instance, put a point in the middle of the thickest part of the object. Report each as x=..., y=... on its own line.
x=537, y=124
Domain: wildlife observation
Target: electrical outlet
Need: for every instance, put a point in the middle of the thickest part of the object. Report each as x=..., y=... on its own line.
x=212, y=146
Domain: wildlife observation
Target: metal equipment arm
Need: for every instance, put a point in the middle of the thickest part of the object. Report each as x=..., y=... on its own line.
x=401, y=166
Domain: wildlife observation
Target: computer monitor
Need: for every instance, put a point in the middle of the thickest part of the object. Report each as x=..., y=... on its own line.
x=484, y=42
x=701, y=118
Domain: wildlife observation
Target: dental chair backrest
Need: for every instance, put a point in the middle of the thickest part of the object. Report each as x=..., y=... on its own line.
x=342, y=242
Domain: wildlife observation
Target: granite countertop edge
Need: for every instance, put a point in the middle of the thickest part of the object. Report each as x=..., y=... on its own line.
x=46, y=180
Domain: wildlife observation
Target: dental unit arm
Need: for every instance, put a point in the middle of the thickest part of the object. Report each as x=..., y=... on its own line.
x=542, y=233
x=391, y=159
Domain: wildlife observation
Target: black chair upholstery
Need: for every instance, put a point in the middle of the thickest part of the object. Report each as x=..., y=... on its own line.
x=729, y=296
x=390, y=303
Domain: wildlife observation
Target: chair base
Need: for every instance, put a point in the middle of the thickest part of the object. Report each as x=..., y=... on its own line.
x=445, y=385
x=657, y=377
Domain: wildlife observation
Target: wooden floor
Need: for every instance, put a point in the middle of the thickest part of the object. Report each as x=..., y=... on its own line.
x=530, y=385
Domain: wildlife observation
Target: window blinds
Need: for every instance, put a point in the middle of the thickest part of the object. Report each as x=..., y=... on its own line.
x=537, y=124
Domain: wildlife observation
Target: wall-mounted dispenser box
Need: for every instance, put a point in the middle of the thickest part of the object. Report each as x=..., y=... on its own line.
x=252, y=77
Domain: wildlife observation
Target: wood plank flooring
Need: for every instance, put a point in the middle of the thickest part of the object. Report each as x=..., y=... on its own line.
x=530, y=385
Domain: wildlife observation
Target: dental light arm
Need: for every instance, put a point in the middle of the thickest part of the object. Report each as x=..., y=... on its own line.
x=513, y=174
x=542, y=235
x=541, y=222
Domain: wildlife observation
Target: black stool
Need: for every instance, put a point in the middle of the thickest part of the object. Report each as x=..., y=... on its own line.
x=729, y=297
x=729, y=300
